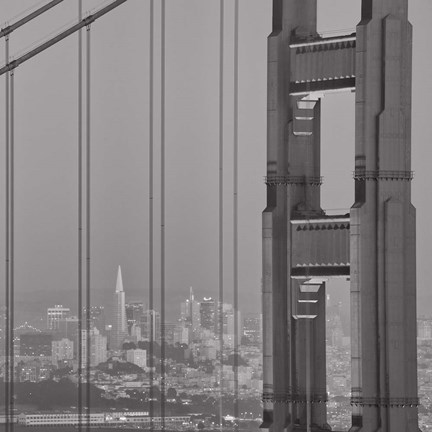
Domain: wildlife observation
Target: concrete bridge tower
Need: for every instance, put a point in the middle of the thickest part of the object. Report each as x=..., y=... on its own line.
x=374, y=244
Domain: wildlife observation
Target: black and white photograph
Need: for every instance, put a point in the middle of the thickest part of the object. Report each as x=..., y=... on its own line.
x=214, y=215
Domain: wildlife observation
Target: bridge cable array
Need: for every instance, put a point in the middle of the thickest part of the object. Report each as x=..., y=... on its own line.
x=84, y=177
x=220, y=310
x=9, y=215
x=9, y=70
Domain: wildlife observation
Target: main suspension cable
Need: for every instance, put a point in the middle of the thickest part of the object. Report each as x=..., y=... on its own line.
x=9, y=28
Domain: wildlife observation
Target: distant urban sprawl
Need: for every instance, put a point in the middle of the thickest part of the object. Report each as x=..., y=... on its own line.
x=197, y=376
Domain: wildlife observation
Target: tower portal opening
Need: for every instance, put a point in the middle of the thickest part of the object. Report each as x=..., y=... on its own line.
x=337, y=196
x=337, y=152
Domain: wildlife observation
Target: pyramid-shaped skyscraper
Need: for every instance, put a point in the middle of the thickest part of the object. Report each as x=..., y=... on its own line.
x=120, y=331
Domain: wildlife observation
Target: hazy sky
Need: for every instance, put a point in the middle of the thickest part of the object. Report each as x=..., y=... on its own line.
x=46, y=149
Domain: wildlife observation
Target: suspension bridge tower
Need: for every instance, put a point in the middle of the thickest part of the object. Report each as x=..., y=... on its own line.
x=373, y=245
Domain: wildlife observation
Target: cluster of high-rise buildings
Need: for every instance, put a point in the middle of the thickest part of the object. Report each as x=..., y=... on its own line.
x=199, y=321
x=120, y=331
x=202, y=320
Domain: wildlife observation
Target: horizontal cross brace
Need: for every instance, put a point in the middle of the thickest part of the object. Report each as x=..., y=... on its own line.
x=320, y=271
x=325, y=86
x=323, y=65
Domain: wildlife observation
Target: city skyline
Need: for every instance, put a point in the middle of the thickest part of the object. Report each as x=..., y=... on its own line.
x=34, y=365
x=57, y=313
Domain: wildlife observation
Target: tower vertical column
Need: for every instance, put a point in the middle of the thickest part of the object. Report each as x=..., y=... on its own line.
x=292, y=160
x=382, y=233
x=383, y=286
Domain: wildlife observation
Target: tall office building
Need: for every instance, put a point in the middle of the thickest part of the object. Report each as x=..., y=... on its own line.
x=208, y=313
x=98, y=347
x=97, y=317
x=68, y=329
x=150, y=322
x=227, y=314
x=190, y=315
x=228, y=323
x=120, y=330
x=134, y=311
x=55, y=314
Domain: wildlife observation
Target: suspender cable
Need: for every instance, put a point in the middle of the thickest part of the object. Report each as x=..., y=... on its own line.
x=7, y=250
x=80, y=206
x=88, y=166
x=235, y=214
x=11, y=306
x=221, y=268
x=8, y=69
x=162, y=414
x=151, y=207
x=9, y=225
